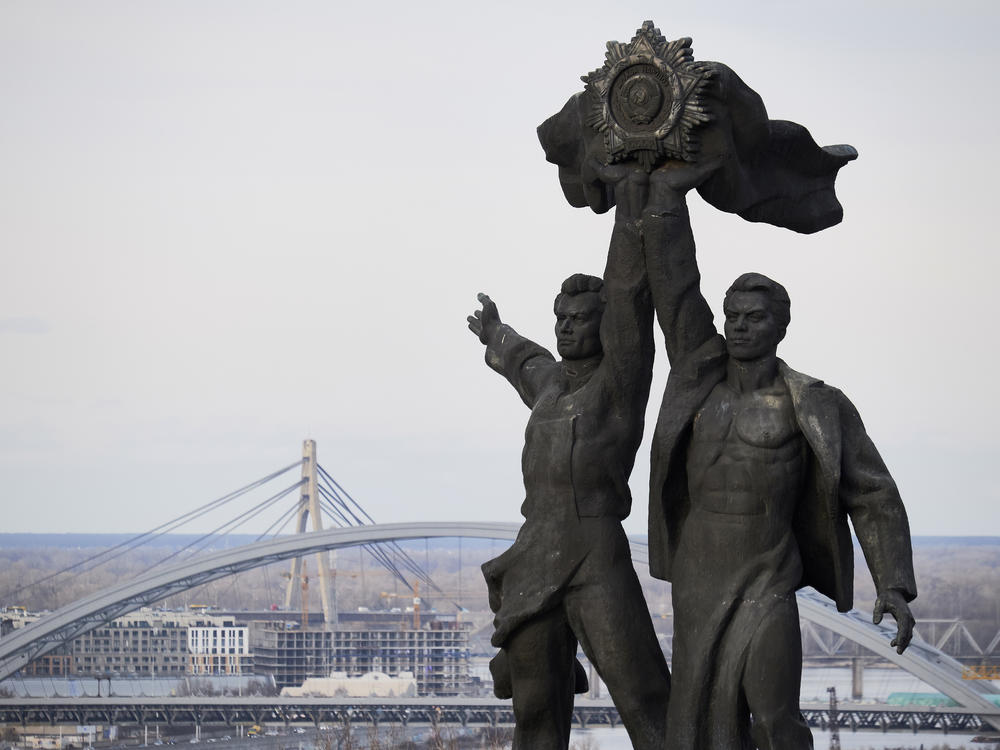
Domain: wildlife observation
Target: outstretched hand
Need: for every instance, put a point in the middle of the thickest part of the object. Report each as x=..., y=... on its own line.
x=484, y=322
x=892, y=601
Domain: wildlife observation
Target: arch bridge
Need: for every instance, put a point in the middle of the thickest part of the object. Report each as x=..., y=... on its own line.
x=22, y=646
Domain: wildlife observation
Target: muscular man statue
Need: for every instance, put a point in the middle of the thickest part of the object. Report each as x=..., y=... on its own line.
x=569, y=577
x=755, y=467
x=755, y=470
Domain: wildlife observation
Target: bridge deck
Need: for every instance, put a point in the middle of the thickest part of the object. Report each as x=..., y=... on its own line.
x=230, y=711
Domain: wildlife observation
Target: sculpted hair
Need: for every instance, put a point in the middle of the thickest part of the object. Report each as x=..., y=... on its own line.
x=581, y=283
x=777, y=296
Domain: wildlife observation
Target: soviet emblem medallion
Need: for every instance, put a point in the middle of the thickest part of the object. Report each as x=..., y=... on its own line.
x=648, y=99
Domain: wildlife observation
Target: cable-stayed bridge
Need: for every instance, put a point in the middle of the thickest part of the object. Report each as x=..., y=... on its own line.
x=60, y=627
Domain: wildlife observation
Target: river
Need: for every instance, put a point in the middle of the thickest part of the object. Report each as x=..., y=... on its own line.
x=616, y=739
x=878, y=684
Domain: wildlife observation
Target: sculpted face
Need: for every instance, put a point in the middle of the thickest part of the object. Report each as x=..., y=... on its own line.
x=578, y=325
x=751, y=329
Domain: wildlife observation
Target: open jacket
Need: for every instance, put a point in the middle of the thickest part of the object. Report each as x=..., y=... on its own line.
x=846, y=478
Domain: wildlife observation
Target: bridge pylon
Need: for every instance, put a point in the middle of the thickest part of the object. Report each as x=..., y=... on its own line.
x=309, y=506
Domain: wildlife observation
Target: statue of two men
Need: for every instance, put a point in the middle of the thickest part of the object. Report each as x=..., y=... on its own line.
x=755, y=467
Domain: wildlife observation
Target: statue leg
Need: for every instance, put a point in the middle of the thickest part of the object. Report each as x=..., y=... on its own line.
x=772, y=679
x=541, y=653
x=612, y=621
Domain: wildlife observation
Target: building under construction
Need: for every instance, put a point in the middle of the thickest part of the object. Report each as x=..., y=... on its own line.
x=437, y=654
x=290, y=655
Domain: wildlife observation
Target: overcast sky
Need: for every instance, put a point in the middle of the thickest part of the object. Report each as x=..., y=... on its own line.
x=229, y=226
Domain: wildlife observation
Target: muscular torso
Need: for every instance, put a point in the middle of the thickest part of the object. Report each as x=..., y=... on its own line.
x=746, y=466
x=747, y=455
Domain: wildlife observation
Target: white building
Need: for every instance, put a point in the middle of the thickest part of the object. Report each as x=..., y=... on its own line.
x=370, y=685
x=218, y=649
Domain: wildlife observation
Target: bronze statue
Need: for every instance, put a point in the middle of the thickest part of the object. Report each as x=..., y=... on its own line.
x=569, y=577
x=756, y=467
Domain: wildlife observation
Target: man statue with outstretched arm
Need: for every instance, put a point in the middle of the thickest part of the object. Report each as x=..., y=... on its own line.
x=569, y=576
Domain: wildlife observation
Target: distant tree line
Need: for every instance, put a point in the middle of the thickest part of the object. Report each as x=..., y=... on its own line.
x=953, y=581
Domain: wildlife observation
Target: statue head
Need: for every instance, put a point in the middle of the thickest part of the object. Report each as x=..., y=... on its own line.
x=757, y=311
x=579, y=307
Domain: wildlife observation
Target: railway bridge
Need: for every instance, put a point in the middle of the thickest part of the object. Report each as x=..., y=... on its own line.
x=223, y=712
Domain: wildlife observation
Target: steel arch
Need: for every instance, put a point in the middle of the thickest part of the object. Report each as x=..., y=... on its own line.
x=20, y=647
x=83, y=615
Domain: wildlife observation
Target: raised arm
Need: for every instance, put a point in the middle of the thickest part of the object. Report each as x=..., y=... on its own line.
x=627, y=324
x=524, y=363
x=684, y=316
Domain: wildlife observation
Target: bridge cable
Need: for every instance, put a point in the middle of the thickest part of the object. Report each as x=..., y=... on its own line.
x=334, y=509
x=375, y=551
x=336, y=491
x=378, y=551
x=281, y=523
x=252, y=513
x=323, y=472
x=236, y=522
x=157, y=531
x=344, y=510
x=205, y=540
x=336, y=512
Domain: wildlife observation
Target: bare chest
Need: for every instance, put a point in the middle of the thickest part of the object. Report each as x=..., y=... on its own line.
x=747, y=453
x=763, y=419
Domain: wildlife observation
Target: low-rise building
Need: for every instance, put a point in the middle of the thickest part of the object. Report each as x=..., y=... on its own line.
x=371, y=685
x=150, y=643
x=144, y=643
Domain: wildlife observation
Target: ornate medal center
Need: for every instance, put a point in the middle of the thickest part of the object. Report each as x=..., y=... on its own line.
x=640, y=98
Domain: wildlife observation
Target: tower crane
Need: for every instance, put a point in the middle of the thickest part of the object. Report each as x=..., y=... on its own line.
x=418, y=601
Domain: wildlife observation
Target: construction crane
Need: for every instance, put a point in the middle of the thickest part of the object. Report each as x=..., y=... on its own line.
x=454, y=596
x=418, y=601
x=305, y=592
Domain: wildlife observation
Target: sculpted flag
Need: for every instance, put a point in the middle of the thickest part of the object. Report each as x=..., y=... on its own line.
x=651, y=102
